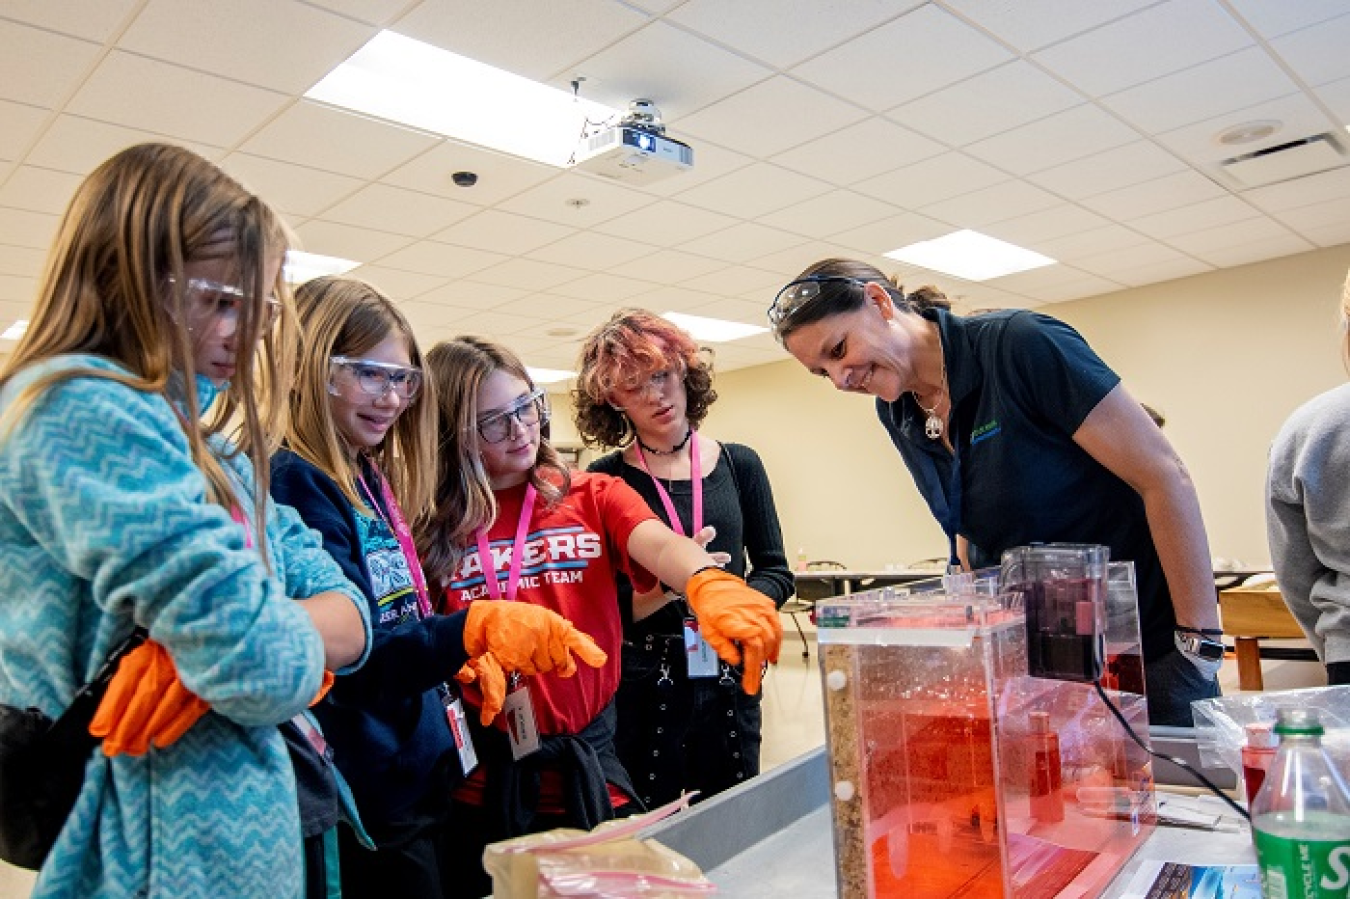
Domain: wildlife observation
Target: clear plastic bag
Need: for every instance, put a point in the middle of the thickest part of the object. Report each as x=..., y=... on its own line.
x=609, y=862
x=1220, y=723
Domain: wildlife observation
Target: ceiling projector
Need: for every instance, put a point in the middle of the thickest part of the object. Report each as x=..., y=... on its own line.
x=636, y=150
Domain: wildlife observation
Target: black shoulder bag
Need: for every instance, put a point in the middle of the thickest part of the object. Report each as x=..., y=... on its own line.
x=42, y=765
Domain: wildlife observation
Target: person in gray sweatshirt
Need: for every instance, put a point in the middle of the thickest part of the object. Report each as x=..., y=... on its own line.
x=1307, y=525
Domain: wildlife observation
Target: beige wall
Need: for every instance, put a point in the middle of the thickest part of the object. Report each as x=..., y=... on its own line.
x=1226, y=356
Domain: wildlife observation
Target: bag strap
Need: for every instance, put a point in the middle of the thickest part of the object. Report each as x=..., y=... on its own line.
x=74, y=721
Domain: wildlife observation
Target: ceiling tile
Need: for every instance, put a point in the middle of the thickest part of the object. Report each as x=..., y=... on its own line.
x=433, y=323
x=428, y=257
x=502, y=232
x=932, y=181
x=529, y=274
x=1054, y=140
x=1296, y=114
x=666, y=223
x=41, y=68
x=764, y=30
x=1033, y=24
x=556, y=307
x=1307, y=191
x=592, y=250
x=372, y=12
x=741, y=243
x=38, y=190
x=1317, y=54
x=1229, y=255
x=838, y=210
x=992, y=204
x=673, y=299
x=858, y=152
x=537, y=40
x=1336, y=95
x=293, y=189
x=892, y=233
x=77, y=145
x=398, y=211
x=20, y=292
x=1034, y=228
x=669, y=267
x=161, y=98
x=1203, y=92
x=710, y=161
x=916, y=54
x=470, y=294
x=678, y=71
x=22, y=228
x=1125, y=264
x=1108, y=170
x=1165, y=270
x=25, y=262
x=993, y=101
x=742, y=280
x=247, y=40
x=1332, y=231
x=19, y=124
x=1158, y=195
x=499, y=175
x=346, y=242
x=770, y=117
x=1235, y=234
x=93, y=20
x=1272, y=18
x=1177, y=34
x=754, y=191
x=1075, y=289
x=338, y=141
x=1185, y=219
x=1070, y=248
x=610, y=287
x=397, y=284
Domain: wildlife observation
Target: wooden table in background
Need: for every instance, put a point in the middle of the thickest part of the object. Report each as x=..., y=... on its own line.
x=1250, y=614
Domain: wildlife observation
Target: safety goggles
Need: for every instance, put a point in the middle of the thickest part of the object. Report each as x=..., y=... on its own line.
x=656, y=383
x=529, y=410
x=798, y=294
x=221, y=302
x=375, y=378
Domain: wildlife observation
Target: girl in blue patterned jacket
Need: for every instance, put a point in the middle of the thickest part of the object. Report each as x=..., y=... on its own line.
x=120, y=506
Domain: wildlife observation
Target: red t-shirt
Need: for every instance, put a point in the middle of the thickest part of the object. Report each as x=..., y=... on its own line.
x=570, y=557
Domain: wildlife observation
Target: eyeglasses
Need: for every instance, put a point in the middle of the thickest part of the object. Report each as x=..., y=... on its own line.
x=529, y=410
x=656, y=382
x=797, y=294
x=377, y=378
x=221, y=302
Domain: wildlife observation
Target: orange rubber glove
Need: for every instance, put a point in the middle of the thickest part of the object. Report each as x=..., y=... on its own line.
x=730, y=612
x=528, y=639
x=324, y=686
x=491, y=683
x=145, y=703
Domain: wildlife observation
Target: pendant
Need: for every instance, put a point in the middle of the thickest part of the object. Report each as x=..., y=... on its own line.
x=932, y=427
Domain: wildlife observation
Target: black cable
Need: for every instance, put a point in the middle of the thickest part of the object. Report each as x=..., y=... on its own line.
x=1180, y=763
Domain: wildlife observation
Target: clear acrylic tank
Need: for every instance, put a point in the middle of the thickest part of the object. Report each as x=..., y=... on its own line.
x=956, y=773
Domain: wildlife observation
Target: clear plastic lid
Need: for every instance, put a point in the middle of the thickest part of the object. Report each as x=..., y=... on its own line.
x=1261, y=735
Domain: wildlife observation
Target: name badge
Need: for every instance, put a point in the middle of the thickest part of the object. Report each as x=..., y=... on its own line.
x=520, y=723
x=701, y=660
x=459, y=728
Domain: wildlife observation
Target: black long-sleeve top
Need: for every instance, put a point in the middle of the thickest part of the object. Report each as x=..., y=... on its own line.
x=738, y=502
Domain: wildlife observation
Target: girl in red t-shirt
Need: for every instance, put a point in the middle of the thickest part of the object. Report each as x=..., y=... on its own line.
x=554, y=538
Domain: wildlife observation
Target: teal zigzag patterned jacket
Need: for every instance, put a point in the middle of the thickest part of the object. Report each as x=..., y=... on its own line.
x=104, y=524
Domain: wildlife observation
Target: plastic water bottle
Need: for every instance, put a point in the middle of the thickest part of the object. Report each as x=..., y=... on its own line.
x=1301, y=816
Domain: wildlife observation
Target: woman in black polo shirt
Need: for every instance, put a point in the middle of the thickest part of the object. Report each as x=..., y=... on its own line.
x=1016, y=432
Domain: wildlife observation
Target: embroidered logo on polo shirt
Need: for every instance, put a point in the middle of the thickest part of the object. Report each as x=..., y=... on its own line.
x=985, y=431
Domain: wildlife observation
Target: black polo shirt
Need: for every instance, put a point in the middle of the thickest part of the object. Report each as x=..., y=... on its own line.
x=1021, y=384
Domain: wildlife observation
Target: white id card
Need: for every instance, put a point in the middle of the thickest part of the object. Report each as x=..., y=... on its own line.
x=702, y=661
x=520, y=723
x=459, y=727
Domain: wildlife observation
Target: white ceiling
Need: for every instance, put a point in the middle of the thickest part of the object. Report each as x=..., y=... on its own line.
x=1084, y=129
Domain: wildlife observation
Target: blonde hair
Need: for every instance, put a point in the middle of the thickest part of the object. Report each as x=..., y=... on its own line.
x=347, y=317
x=115, y=287
x=464, y=499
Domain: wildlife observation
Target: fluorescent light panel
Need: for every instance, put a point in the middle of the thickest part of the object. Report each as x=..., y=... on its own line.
x=416, y=84
x=713, y=330
x=549, y=375
x=301, y=266
x=16, y=330
x=970, y=255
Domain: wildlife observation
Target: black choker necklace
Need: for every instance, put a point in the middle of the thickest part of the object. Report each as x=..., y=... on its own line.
x=670, y=452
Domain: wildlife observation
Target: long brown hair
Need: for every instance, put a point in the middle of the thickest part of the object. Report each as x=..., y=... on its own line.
x=632, y=346
x=347, y=317
x=115, y=287
x=464, y=499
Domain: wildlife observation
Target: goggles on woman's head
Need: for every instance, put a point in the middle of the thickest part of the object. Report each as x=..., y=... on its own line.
x=801, y=293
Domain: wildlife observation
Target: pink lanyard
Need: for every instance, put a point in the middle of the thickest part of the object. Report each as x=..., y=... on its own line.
x=696, y=474
x=403, y=534
x=489, y=566
x=238, y=515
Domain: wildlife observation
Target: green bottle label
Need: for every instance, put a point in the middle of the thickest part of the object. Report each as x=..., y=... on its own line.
x=1300, y=868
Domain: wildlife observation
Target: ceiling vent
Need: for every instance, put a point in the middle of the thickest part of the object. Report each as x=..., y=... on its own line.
x=1285, y=162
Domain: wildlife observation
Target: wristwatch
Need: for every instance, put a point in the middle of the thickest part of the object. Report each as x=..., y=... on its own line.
x=1200, y=646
